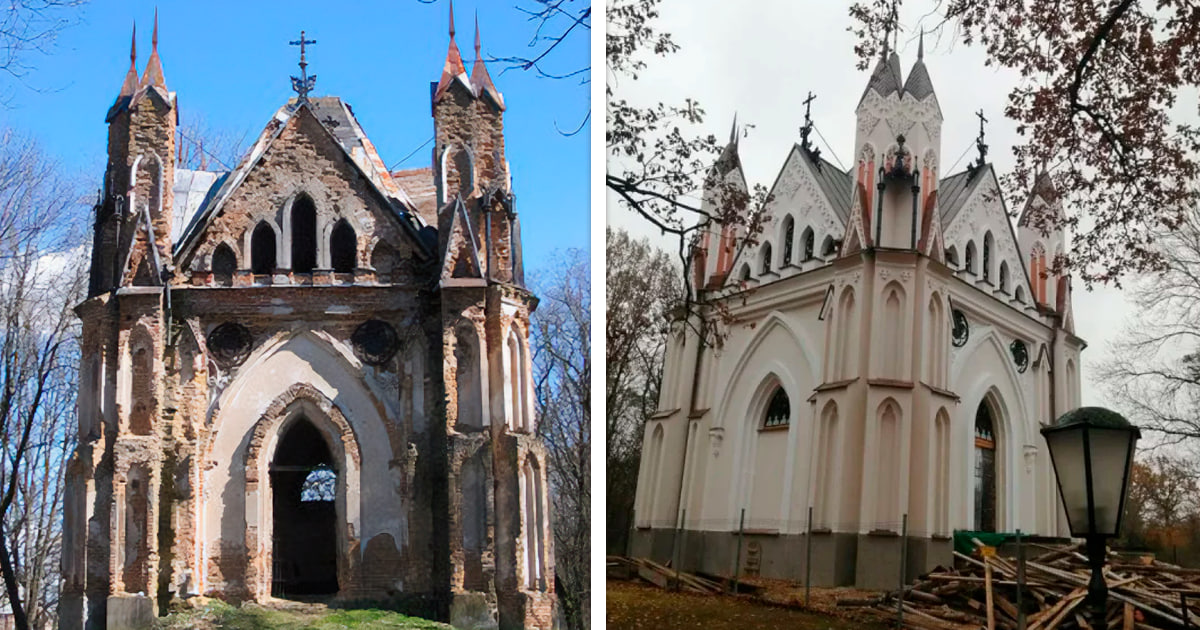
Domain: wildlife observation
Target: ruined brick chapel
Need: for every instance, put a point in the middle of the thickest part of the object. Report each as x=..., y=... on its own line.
x=309, y=376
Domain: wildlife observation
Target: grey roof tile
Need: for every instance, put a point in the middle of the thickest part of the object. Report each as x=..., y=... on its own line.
x=955, y=190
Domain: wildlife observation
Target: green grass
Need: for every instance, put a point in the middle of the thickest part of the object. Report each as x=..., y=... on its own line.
x=217, y=615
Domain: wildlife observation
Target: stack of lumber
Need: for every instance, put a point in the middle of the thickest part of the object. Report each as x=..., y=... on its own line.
x=665, y=577
x=982, y=593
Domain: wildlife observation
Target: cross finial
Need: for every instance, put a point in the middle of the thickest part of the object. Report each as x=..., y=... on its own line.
x=304, y=83
x=807, y=128
x=979, y=143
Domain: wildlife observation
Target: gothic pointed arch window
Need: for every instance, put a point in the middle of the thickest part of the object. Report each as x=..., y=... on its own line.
x=304, y=234
x=534, y=530
x=1004, y=276
x=779, y=410
x=951, y=256
x=969, y=259
x=828, y=247
x=343, y=247
x=985, y=469
x=745, y=273
x=224, y=265
x=808, y=239
x=988, y=245
x=262, y=249
x=766, y=259
x=789, y=229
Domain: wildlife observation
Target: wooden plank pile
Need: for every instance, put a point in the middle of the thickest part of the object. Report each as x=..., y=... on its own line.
x=982, y=593
x=665, y=577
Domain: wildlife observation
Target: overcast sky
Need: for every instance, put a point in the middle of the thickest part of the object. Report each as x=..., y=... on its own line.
x=760, y=62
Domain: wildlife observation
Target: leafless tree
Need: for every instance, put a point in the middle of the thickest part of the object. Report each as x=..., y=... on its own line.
x=42, y=276
x=658, y=161
x=562, y=380
x=1153, y=375
x=203, y=147
x=642, y=284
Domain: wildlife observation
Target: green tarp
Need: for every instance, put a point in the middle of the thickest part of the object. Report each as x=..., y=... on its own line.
x=963, y=544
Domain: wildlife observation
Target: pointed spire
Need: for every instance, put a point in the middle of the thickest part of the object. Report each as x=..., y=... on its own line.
x=153, y=76
x=454, y=64
x=481, y=81
x=131, y=79
x=918, y=84
x=729, y=159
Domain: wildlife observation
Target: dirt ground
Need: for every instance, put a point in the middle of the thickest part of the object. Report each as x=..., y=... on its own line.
x=633, y=605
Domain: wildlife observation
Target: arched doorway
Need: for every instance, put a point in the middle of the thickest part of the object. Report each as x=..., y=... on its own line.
x=304, y=489
x=985, y=469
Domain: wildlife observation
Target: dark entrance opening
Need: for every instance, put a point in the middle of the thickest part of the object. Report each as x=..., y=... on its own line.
x=985, y=469
x=303, y=493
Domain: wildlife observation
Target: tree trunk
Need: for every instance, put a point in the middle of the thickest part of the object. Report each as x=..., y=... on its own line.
x=10, y=583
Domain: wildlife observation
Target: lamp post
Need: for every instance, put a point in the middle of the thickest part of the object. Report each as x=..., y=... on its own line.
x=1092, y=452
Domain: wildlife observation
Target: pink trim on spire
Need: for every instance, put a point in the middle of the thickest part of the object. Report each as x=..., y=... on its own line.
x=454, y=64
x=481, y=81
x=130, y=85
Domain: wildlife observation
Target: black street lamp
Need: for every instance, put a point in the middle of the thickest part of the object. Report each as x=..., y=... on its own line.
x=1092, y=452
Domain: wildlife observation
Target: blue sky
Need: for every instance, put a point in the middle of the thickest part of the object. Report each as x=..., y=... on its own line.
x=230, y=61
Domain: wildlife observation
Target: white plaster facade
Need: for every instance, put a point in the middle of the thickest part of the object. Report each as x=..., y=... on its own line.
x=861, y=326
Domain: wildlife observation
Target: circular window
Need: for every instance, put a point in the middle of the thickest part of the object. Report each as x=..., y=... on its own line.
x=230, y=343
x=1020, y=355
x=375, y=341
x=961, y=331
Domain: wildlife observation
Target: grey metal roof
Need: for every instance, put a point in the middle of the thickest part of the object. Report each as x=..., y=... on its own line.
x=885, y=78
x=955, y=190
x=918, y=83
x=838, y=186
x=191, y=190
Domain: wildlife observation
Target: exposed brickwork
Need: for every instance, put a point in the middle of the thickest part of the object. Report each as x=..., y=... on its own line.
x=170, y=490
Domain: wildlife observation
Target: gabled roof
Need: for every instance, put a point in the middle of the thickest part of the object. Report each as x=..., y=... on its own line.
x=837, y=185
x=955, y=190
x=335, y=118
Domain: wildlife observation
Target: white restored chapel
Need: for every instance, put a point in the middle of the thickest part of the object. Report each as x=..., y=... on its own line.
x=896, y=344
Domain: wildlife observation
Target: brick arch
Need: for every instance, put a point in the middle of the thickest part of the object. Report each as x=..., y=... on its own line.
x=269, y=424
x=259, y=511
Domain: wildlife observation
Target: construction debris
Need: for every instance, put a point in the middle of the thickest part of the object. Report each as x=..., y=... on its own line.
x=663, y=576
x=983, y=593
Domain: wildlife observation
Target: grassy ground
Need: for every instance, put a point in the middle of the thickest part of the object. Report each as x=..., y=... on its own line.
x=217, y=615
x=631, y=605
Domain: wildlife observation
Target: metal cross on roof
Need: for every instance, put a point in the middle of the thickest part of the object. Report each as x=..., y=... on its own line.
x=304, y=83
x=979, y=143
x=807, y=127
